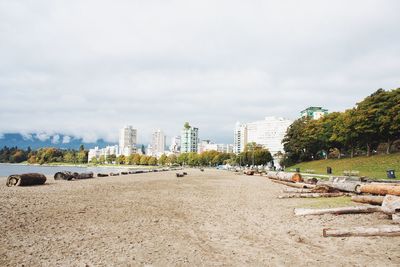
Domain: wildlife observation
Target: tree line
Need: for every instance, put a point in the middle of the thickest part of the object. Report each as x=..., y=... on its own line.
x=373, y=122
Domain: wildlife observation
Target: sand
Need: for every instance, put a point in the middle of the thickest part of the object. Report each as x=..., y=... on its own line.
x=214, y=218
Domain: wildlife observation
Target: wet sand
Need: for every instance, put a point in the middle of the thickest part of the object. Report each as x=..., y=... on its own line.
x=213, y=218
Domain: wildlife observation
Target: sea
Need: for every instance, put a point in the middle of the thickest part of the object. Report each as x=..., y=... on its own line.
x=9, y=169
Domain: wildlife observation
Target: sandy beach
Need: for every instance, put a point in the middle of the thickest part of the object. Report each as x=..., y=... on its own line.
x=211, y=218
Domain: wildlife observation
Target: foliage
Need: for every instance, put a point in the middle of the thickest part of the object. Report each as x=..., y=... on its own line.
x=373, y=121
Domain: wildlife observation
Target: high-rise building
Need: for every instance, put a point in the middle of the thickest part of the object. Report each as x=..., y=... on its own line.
x=314, y=112
x=158, y=142
x=127, y=140
x=240, y=137
x=268, y=133
x=189, y=139
x=175, y=144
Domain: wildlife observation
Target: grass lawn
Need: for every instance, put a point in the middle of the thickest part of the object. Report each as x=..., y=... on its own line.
x=372, y=167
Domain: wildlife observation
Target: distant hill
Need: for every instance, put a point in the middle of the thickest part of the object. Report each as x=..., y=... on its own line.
x=37, y=141
x=373, y=167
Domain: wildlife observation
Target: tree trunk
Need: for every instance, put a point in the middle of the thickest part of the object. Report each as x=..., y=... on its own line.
x=352, y=152
x=26, y=179
x=373, y=200
x=368, y=150
x=382, y=230
x=296, y=185
x=346, y=186
x=391, y=204
x=313, y=195
x=389, y=146
x=295, y=190
x=285, y=176
x=343, y=210
x=380, y=189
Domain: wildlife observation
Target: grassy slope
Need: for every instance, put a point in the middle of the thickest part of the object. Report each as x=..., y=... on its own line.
x=373, y=167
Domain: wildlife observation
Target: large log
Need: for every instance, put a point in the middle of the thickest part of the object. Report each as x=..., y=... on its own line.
x=102, y=175
x=296, y=185
x=382, y=230
x=314, y=195
x=65, y=175
x=26, y=179
x=85, y=175
x=285, y=176
x=391, y=204
x=380, y=189
x=342, y=210
x=368, y=199
x=343, y=185
x=297, y=190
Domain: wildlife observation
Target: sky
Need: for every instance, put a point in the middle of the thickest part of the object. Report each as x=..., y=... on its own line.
x=87, y=68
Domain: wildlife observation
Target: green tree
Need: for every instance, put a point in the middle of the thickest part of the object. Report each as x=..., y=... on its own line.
x=152, y=161
x=172, y=159
x=162, y=160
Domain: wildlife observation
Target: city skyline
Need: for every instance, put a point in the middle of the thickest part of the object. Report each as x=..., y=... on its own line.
x=131, y=62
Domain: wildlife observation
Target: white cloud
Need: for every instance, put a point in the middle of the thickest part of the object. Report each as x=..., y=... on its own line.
x=42, y=136
x=55, y=139
x=66, y=139
x=156, y=64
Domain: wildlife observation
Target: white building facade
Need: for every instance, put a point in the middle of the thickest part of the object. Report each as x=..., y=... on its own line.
x=158, y=142
x=189, y=139
x=240, y=137
x=268, y=133
x=127, y=141
x=98, y=152
x=175, y=146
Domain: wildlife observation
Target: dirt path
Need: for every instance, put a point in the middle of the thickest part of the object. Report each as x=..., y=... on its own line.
x=211, y=218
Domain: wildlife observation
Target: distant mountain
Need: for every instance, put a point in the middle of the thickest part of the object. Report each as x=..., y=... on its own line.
x=36, y=141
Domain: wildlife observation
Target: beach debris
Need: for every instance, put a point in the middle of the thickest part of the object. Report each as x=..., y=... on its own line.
x=313, y=195
x=341, y=210
x=296, y=185
x=343, y=184
x=285, y=176
x=124, y=173
x=297, y=190
x=184, y=173
x=248, y=172
x=391, y=204
x=84, y=175
x=368, y=199
x=381, y=230
x=102, y=175
x=26, y=179
x=65, y=175
x=202, y=170
x=114, y=174
x=381, y=189
x=179, y=174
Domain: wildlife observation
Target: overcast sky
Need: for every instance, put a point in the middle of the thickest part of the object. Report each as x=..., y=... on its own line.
x=87, y=68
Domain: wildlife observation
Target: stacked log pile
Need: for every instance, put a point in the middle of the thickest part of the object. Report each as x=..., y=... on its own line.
x=25, y=179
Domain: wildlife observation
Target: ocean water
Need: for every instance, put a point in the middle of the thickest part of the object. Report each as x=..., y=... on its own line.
x=8, y=169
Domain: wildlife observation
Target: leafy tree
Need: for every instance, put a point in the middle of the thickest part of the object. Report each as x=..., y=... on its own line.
x=152, y=161
x=172, y=159
x=162, y=160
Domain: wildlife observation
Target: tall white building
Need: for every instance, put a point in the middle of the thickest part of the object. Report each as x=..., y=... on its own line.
x=127, y=140
x=158, y=142
x=240, y=137
x=97, y=152
x=189, y=139
x=175, y=146
x=268, y=133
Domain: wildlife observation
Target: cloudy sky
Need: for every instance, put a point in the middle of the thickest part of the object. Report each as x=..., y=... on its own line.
x=86, y=68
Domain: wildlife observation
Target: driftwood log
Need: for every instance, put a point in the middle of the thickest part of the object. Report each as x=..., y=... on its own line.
x=382, y=230
x=391, y=204
x=285, y=176
x=85, y=175
x=180, y=175
x=343, y=185
x=102, y=175
x=26, y=179
x=313, y=195
x=381, y=189
x=368, y=199
x=124, y=173
x=297, y=190
x=65, y=175
x=396, y=218
x=184, y=173
x=295, y=185
x=343, y=210
x=114, y=174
